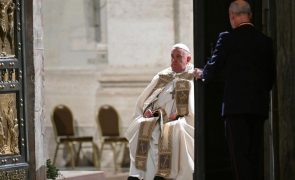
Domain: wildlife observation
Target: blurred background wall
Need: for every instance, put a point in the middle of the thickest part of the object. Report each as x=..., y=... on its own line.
x=105, y=52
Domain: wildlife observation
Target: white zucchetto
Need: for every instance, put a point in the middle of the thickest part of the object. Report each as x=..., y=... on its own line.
x=181, y=46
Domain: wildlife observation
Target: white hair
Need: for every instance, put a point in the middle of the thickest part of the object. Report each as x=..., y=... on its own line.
x=240, y=7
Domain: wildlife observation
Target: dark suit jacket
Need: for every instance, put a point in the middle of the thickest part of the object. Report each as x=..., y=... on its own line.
x=247, y=58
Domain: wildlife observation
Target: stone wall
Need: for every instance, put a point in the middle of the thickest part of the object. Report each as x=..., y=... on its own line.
x=35, y=89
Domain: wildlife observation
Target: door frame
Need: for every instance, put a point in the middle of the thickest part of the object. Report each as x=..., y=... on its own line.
x=199, y=52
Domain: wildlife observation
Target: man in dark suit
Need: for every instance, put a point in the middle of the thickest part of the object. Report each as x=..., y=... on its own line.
x=246, y=58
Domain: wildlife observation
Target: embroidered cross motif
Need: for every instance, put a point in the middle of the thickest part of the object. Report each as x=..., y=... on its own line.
x=143, y=148
x=164, y=164
x=164, y=161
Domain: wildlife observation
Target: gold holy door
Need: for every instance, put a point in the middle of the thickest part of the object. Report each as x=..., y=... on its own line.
x=13, y=140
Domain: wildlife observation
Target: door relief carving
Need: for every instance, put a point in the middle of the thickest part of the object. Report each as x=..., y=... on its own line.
x=13, y=124
x=9, y=131
x=7, y=9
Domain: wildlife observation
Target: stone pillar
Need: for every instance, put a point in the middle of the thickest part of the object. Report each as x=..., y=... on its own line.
x=140, y=33
x=183, y=22
x=38, y=76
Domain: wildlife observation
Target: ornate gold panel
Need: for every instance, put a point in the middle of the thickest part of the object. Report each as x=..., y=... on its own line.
x=19, y=174
x=14, y=154
x=7, y=11
x=8, y=75
x=9, y=130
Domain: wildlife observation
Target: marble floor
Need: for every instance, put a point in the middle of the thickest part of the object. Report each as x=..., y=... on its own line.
x=84, y=172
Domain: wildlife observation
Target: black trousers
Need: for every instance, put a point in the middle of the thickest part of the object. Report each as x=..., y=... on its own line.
x=245, y=139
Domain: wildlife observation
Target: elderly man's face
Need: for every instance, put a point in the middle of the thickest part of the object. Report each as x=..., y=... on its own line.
x=179, y=60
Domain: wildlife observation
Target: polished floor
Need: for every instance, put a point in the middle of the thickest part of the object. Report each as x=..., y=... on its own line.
x=85, y=164
x=109, y=173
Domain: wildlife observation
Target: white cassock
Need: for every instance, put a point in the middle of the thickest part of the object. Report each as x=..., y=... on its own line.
x=159, y=146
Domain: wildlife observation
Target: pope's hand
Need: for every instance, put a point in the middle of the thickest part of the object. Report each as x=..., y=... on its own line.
x=173, y=116
x=198, y=73
x=148, y=113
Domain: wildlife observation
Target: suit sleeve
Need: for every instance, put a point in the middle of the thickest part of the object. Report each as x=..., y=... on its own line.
x=218, y=58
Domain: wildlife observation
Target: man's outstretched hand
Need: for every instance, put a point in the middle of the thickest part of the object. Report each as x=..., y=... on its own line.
x=198, y=73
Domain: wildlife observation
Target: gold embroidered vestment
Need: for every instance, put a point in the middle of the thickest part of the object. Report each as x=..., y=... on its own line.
x=181, y=98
